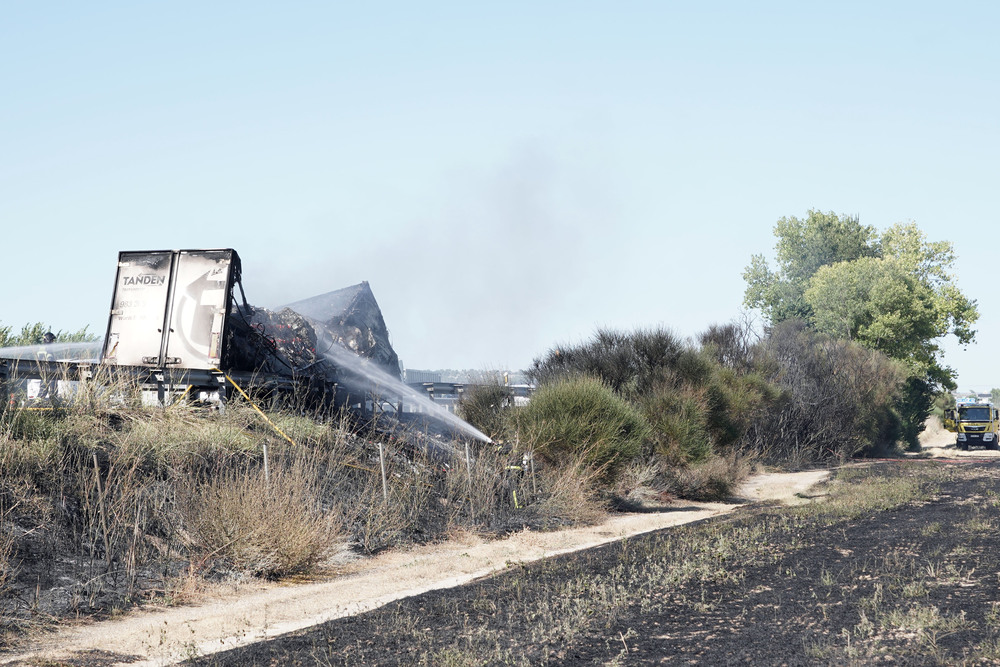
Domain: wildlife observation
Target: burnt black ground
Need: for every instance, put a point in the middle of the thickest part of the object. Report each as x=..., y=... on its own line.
x=796, y=591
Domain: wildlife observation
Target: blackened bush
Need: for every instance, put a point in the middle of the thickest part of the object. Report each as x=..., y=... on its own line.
x=581, y=415
x=839, y=398
x=629, y=363
x=730, y=345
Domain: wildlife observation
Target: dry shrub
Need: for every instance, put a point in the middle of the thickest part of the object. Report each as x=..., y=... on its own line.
x=116, y=506
x=487, y=489
x=715, y=479
x=379, y=522
x=269, y=528
x=569, y=491
x=643, y=482
x=188, y=431
x=8, y=546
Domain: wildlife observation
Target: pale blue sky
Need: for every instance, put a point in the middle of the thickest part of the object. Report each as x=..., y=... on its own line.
x=506, y=178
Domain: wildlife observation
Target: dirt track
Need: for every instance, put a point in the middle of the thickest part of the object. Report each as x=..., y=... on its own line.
x=247, y=613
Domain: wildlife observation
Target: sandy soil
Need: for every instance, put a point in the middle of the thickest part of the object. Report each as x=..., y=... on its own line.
x=250, y=612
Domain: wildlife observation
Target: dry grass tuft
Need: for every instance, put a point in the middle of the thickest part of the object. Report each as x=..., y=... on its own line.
x=264, y=527
x=715, y=479
x=7, y=550
x=570, y=491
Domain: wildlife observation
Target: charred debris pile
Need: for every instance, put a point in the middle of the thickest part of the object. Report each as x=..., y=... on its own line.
x=297, y=340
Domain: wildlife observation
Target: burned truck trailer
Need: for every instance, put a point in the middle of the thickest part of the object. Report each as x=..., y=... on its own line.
x=176, y=326
x=170, y=321
x=177, y=311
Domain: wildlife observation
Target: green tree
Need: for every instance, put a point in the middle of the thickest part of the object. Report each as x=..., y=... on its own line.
x=803, y=246
x=893, y=293
x=877, y=303
x=900, y=304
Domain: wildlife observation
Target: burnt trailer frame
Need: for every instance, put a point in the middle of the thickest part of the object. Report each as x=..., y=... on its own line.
x=164, y=382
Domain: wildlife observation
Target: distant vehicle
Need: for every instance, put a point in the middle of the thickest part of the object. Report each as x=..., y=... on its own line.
x=975, y=424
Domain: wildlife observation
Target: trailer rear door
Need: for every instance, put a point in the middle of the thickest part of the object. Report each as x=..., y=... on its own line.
x=138, y=309
x=198, y=308
x=169, y=308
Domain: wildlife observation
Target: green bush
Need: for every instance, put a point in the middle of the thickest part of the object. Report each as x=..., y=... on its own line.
x=945, y=400
x=678, y=418
x=735, y=401
x=582, y=415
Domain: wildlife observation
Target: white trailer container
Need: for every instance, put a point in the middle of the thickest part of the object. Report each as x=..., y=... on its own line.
x=169, y=308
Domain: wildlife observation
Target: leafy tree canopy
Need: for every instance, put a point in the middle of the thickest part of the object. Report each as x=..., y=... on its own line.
x=804, y=245
x=877, y=303
x=893, y=292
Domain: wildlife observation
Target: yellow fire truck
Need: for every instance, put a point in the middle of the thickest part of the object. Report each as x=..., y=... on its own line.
x=975, y=424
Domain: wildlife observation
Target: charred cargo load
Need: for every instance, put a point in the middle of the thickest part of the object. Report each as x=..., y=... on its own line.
x=177, y=311
x=352, y=317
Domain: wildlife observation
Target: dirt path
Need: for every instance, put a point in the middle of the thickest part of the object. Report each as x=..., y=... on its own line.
x=249, y=613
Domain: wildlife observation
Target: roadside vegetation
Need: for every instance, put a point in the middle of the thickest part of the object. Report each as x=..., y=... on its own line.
x=652, y=414
x=33, y=334
x=106, y=503
x=846, y=363
x=892, y=292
